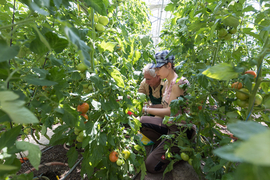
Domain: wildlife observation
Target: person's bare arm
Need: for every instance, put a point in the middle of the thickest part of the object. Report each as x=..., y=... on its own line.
x=156, y=106
x=176, y=92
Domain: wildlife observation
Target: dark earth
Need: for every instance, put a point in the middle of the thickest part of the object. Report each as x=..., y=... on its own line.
x=58, y=154
x=54, y=154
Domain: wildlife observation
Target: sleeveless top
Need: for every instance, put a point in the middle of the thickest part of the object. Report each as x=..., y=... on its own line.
x=168, y=89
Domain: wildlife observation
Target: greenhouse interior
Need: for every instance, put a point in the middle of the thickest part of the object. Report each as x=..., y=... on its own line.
x=134, y=90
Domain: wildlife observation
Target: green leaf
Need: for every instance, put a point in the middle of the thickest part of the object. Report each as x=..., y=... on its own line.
x=248, y=31
x=57, y=44
x=15, y=109
x=222, y=71
x=197, y=25
x=38, y=81
x=4, y=167
x=57, y=3
x=228, y=152
x=107, y=46
x=116, y=75
x=137, y=56
x=97, y=81
x=202, y=79
x=34, y=153
x=42, y=38
x=7, y=52
x=34, y=7
x=9, y=137
x=266, y=102
x=70, y=116
x=72, y=155
x=169, y=167
x=145, y=40
x=97, y=5
x=38, y=47
x=249, y=8
x=251, y=172
x=245, y=130
x=256, y=149
x=4, y=117
x=73, y=36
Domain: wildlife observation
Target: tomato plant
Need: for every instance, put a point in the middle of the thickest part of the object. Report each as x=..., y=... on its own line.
x=46, y=44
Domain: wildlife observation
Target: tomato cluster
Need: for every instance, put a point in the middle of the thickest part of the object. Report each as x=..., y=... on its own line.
x=83, y=108
x=79, y=133
x=119, y=159
x=100, y=22
x=243, y=94
x=185, y=157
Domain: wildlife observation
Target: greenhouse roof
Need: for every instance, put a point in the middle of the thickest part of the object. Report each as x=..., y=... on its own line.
x=157, y=16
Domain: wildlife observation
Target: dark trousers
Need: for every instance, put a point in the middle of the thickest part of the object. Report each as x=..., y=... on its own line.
x=153, y=128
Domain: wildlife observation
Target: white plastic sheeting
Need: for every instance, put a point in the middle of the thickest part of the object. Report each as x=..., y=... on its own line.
x=157, y=17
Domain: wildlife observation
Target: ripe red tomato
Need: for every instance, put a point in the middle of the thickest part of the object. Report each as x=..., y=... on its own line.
x=83, y=108
x=113, y=156
x=85, y=116
x=252, y=73
x=237, y=85
x=130, y=113
x=22, y=160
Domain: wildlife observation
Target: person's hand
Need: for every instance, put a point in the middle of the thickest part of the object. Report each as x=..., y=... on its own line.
x=144, y=110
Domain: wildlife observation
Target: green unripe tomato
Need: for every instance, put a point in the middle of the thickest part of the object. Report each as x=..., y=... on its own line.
x=222, y=32
x=126, y=153
x=258, y=100
x=79, y=138
x=77, y=131
x=95, y=18
x=233, y=31
x=227, y=37
x=190, y=161
x=103, y=20
x=184, y=156
x=85, y=86
x=242, y=94
x=119, y=162
x=242, y=104
x=82, y=67
x=99, y=27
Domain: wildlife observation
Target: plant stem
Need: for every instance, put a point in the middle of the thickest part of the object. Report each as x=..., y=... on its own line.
x=26, y=21
x=93, y=39
x=215, y=53
x=228, y=166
